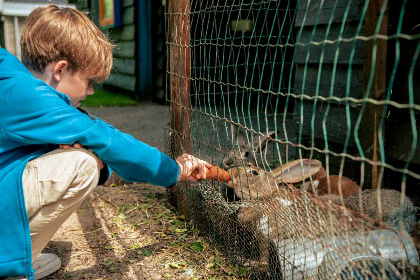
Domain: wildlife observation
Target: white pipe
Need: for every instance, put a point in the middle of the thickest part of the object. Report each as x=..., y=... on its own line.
x=17, y=36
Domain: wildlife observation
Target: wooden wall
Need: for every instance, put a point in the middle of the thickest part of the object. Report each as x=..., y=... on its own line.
x=123, y=75
x=315, y=64
x=140, y=53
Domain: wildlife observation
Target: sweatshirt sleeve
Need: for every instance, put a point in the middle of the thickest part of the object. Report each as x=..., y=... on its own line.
x=43, y=117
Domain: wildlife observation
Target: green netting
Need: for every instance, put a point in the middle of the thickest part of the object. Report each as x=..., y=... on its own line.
x=313, y=106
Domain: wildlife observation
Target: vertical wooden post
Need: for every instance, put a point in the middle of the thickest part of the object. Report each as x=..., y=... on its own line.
x=180, y=69
x=373, y=112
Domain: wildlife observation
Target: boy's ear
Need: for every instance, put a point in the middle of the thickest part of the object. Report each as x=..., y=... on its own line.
x=60, y=69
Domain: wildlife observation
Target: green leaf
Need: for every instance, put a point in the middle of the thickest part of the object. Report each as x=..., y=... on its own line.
x=107, y=262
x=181, y=230
x=243, y=270
x=109, y=248
x=177, y=264
x=147, y=253
x=68, y=275
x=196, y=246
x=179, y=223
x=209, y=265
x=122, y=216
x=218, y=259
x=135, y=246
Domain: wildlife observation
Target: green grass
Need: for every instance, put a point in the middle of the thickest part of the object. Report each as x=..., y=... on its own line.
x=103, y=98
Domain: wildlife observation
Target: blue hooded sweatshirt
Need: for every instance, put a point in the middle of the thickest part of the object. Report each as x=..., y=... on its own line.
x=34, y=119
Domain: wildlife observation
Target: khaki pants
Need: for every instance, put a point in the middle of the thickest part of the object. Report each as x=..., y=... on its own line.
x=54, y=186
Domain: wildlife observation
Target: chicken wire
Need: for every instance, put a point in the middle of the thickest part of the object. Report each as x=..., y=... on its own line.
x=336, y=82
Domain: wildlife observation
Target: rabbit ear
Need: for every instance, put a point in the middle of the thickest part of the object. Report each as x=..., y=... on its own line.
x=297, y=170
x=234, y=131
x=261, y=141
x=238, y=136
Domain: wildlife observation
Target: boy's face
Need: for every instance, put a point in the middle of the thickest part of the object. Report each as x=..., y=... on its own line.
x=76, y=85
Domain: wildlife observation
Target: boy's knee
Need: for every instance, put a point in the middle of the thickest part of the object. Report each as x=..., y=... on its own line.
x=89, y=159
x=88, y=170
x=86, y=163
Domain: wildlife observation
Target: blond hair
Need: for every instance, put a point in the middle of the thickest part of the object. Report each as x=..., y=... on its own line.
x=52, y=33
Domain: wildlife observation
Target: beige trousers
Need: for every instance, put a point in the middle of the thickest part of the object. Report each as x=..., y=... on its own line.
x=54, y=186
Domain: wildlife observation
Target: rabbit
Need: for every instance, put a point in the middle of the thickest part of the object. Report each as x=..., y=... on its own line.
x=262, y=183
x=287, y=212
x=392, y=211
x=320, y=185
x=244, y=153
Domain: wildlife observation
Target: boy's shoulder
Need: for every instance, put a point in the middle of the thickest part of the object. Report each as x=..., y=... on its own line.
x=12, y=67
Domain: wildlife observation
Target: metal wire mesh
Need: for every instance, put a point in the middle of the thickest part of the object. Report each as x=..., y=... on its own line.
x=313, y=107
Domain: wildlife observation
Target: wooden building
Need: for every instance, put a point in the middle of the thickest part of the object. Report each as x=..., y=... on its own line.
x=137, y=28
x=13, y=14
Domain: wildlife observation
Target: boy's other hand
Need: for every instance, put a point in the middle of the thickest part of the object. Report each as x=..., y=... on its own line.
x=188, y=164
x=66, y=146
x=78, y=146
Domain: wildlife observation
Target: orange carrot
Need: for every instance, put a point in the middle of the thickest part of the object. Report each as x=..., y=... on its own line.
x=215, y=173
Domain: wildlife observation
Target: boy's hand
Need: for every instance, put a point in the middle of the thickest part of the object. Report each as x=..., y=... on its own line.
x=66, y=146
x=187, y=164
x=78, y=146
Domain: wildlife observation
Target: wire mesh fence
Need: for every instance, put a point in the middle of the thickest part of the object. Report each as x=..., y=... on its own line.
x=313, y=107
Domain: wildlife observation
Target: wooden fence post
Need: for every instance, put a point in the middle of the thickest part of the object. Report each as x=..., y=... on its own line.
x=180, y=69
x=372, y=114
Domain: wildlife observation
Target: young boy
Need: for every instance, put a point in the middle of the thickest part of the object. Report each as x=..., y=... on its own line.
x=42, y=185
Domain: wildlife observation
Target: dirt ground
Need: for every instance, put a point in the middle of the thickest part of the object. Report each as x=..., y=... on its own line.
x=129, y=231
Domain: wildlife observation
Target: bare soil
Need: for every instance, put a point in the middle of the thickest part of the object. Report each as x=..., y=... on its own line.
x=128, y=232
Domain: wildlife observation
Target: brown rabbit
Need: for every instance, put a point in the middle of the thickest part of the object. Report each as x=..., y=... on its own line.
x=321, y=185
x=275, y=212
x=243, y=153
x=262, y=183
x=392, y=212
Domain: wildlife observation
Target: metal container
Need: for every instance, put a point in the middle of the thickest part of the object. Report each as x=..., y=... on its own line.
x=326, y=258
x=359, y=263
x=395, y=245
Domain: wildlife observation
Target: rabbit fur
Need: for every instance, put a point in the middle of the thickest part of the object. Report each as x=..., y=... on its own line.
x=392, y=211
x=241, y=152
x=286, y=212
x=331, y=185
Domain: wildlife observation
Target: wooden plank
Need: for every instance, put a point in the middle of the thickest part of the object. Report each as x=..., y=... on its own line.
x=336, y=121
x=180, y=69
x=372, y=114
x=329, y=49
x=126, y=3
x=125, y=66
x=124, y=33
x=125, y=49
x=126, y=82
x=326, y=11
x=128, y=15
x=399, y=137
x=309, y=86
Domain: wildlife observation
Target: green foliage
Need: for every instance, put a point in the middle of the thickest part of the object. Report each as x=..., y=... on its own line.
x=197, y=246
x=103, y=98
